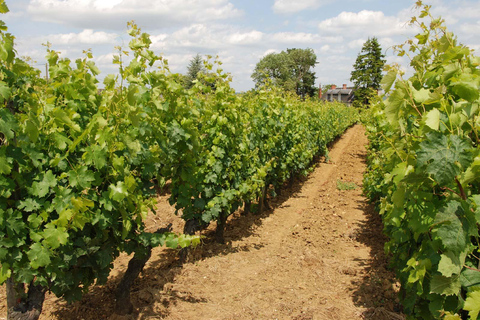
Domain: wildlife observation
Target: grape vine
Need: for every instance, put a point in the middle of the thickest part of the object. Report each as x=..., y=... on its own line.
x=424, y=172
x=79, y=166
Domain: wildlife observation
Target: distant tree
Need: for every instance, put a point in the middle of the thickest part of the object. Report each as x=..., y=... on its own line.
x=290, y=70
x=367, y=71
x=195, y=67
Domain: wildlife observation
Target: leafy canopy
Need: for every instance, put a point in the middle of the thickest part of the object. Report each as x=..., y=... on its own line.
x=290, y=70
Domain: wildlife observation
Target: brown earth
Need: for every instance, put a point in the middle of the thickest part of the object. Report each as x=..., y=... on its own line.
x=317, y=254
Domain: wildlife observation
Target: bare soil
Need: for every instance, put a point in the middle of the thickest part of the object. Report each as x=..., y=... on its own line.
x=317, y=254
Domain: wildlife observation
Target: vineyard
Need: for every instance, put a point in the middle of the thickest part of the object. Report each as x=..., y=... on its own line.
x=81, y=167
x=268, y=206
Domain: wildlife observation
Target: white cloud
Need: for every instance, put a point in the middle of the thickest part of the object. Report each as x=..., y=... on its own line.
x=356, y=44
x=470, y=30
x=87, y=36
x=288, y=6
x=267, y=53
x=113, y=14
x=302, y=38
x=245, y=38
x=456, y=11
x=365, y=23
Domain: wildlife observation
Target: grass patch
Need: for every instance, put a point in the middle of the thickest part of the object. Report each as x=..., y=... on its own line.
x=345, y=185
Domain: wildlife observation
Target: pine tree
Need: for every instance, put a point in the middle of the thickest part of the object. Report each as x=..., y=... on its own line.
x=195, y=67
x=367, y=72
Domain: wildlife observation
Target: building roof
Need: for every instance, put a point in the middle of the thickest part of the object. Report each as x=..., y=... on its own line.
x=346, y=91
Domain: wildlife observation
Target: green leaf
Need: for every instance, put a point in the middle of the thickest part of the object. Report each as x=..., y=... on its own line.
x=394, y=105
x=5, y=162
x=5, y=91
x=171, y=241
x=445, y=285
x=388, y=80
x=29, y=205
x=42, y=188
x=32, y=131
x=466, y=87
x=470, y=278
x=96, y=155
x=81, y=177
x=117, y=192
x=444, y=157
x=8, y=123
x=3, y=7
x=38, y=255
x=5, y=272
x=91, y=65
x=55, y=236
x=450, y=229
x=432, y=119
x=109, y=81
x=420, y=96
x=184, y=241
x=450, y=316
x=450, y=264
x=472, y=304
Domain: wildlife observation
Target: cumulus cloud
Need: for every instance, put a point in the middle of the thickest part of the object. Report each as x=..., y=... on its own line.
x=113, y=14
x=245, y=38
x=288, y=6
x=207, y=38
x=87, y=36
x=303, y=38
x=365, y=23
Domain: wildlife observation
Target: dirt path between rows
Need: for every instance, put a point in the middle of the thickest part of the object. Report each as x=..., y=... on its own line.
x=318, y=254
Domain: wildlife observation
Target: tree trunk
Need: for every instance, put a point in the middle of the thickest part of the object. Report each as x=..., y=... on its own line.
x=247, y=208
x=220, y=232
x=191, y=226
x=123, y=305
x=263, y=200
x=28, y=308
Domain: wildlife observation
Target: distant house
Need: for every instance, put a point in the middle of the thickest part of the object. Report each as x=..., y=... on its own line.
x=344, y=94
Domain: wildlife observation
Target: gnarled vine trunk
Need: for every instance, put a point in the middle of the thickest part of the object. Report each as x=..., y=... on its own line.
x=23, y=305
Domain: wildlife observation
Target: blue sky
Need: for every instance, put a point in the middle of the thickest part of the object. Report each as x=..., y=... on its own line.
x=240, y=32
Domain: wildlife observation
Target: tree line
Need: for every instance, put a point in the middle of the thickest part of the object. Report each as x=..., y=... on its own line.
x=292, y=70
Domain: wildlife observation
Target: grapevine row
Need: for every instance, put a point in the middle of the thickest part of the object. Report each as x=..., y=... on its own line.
x=423, y=173
x=79, y=166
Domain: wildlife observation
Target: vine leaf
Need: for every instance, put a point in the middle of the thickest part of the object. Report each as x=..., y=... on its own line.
x=472, y=304
x=41, y=188
x=445, y=285
x=451, y=263
x=444, y=156
x=5, y=272
x=432, y=119
x=38, y=256
x=450, y=230
x=466, y=87
x=55, y=236
x=3, y=7
x=388, y=80
x=8, y=123
x=470, y=278
x=5, y=167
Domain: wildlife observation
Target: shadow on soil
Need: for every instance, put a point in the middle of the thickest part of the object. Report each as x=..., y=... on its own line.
x=378, y=288
x=153, y=292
